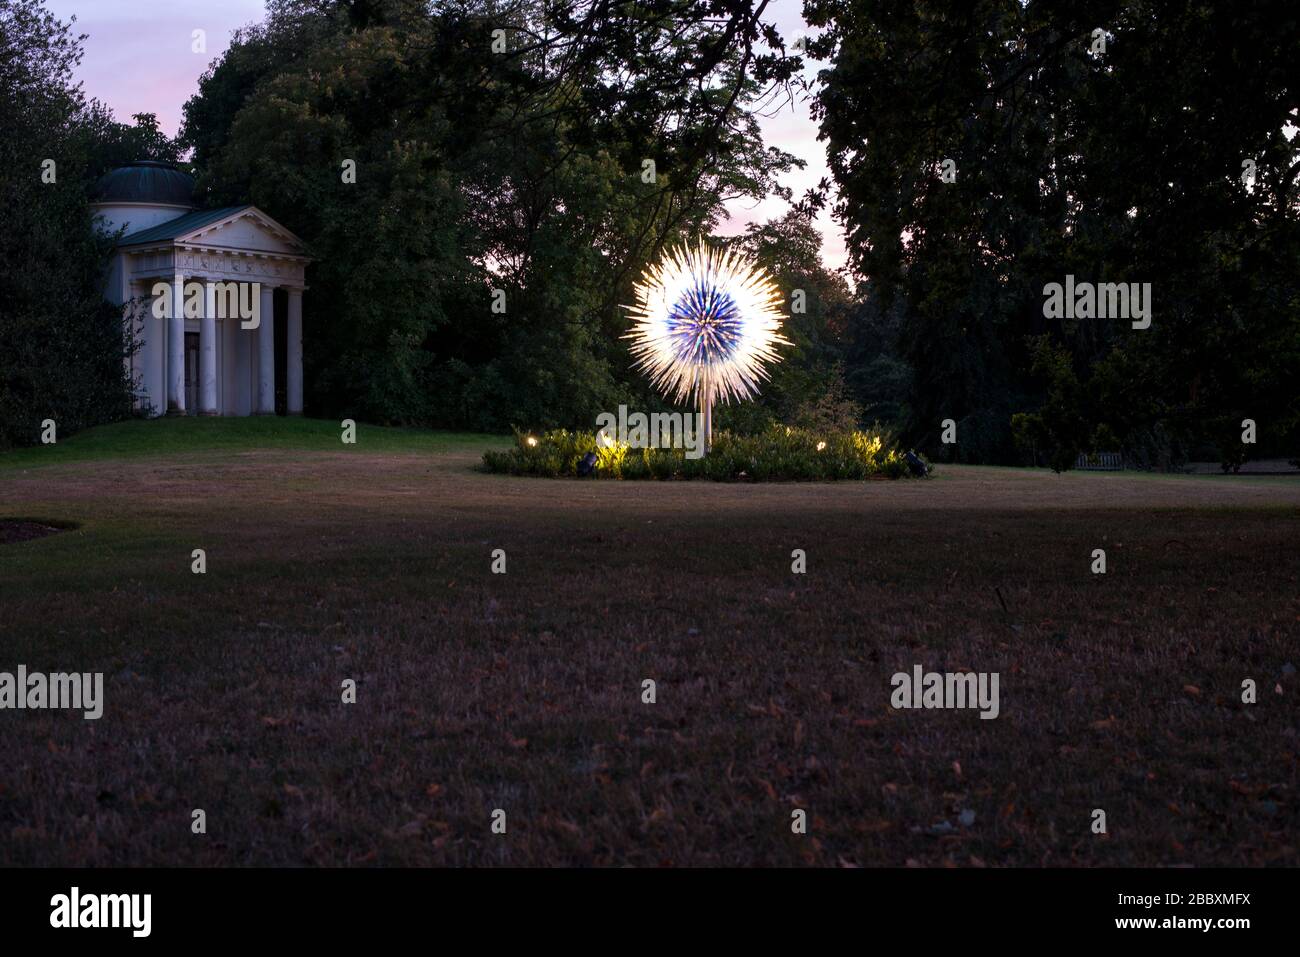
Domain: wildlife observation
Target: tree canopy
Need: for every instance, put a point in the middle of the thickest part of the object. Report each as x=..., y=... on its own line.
x=482, y=181
x=62, y=347
x=1102, y=140
x=516, y=165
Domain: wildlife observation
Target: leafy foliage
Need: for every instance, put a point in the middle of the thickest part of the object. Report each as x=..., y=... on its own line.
x=1115, y=165
x=62, y=347
x=808, y=385
x=778, y=454
x=510, y=179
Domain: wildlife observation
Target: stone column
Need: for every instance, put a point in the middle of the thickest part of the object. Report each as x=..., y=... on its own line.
x=153, y=351
x=266, y=353
x=208, y=352
x=293, y=356
x=228, y=329
x=239, y=362
x=176, y=349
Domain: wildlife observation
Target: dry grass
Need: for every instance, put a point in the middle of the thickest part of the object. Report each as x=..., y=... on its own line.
x=523, y=691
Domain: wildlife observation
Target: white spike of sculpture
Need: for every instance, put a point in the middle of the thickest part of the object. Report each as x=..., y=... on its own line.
x=705, y=325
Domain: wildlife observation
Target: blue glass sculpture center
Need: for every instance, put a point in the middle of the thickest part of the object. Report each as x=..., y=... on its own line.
x=704, y=325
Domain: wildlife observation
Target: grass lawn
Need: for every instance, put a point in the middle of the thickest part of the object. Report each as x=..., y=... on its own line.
x=522, y=691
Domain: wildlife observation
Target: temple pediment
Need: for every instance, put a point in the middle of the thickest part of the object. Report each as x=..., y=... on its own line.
x=239, y=243
x=244, y=229
x=251, y=230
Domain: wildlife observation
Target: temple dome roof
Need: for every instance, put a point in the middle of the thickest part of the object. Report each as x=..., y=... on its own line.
x=146, y=181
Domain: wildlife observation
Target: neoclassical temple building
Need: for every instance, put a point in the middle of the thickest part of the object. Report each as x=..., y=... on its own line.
x=204, y=358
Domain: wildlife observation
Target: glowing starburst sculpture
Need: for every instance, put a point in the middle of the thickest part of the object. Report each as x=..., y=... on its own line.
x=705, y=325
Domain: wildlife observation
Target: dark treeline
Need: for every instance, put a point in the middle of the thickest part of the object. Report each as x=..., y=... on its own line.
x=503, y=148
x=1119, y=161
x=61, y=344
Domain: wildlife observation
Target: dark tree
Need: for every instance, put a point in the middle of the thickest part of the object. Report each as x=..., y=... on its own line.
x=62, y=347
x=1121, y=164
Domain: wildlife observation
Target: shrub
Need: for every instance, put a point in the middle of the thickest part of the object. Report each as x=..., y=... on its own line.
x=781, y=453
x=834, y=410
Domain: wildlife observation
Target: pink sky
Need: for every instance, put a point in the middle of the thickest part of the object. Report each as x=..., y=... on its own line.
x=138, y=59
